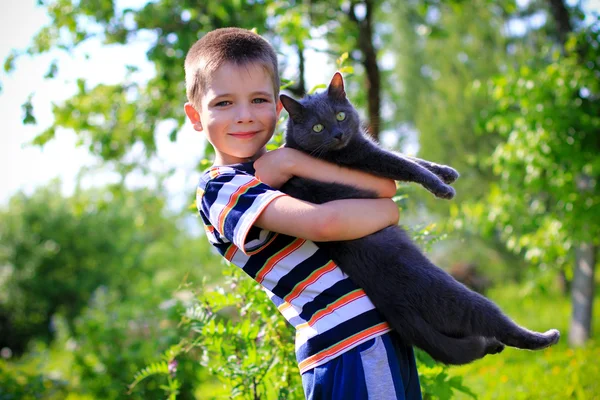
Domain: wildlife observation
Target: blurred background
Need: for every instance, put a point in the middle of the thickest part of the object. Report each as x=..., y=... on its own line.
x=108, y=288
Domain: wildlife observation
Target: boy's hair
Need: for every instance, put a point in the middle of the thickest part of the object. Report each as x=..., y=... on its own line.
x=226, y=45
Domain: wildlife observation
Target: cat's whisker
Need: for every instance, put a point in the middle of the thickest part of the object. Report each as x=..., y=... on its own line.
x=319, y=150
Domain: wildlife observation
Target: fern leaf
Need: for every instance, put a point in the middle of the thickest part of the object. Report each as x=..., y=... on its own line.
x=158, y=368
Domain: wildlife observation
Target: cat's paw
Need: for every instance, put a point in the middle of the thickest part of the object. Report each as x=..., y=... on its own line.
x=553, y=335
x=447, y=174
x=444, y=192
x=494, y=347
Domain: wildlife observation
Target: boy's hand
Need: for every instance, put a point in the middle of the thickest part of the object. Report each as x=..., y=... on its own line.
x=275, y=167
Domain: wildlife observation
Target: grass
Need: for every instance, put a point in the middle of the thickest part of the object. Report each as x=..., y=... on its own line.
x=559, y=372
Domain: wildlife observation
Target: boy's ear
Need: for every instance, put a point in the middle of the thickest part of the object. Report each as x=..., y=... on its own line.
x=295, y=109
x=336, y=87
x=278, y=107
x=193, y=116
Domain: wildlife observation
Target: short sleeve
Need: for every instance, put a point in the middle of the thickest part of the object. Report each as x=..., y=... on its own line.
x=231, y=201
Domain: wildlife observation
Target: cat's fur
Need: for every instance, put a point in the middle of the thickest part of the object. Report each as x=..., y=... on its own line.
x=424, y=304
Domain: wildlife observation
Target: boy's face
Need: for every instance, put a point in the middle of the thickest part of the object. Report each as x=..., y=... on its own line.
x=238, y=112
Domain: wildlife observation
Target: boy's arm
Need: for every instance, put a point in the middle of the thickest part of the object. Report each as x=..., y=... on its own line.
x=276, y=167
x=336, y=220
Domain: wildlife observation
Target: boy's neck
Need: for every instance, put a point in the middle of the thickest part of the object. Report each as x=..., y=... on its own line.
x=226, y=159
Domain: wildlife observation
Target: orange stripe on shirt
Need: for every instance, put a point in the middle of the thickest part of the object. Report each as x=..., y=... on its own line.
x=342, y=301
x=275, y=258
x=214, y=172
x=284, y=306
x=339, y=347
x=312, y=278
x=233, y=199
x=230, y=253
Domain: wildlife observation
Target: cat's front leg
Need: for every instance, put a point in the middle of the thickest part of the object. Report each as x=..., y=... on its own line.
x=322, y=192
x=446, y=173
x=395, y=166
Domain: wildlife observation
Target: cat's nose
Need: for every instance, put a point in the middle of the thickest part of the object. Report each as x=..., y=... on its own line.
x=338, y=135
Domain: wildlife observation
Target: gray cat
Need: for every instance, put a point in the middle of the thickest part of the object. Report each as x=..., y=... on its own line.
x=424, y=304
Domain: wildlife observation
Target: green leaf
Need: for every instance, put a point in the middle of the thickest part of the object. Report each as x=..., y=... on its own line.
x=52, y=70
x=27, y=107
x=317, y=87
x=157, y=368
x=9, y=62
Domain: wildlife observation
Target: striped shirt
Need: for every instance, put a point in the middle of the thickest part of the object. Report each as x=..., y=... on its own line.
x=330, y=313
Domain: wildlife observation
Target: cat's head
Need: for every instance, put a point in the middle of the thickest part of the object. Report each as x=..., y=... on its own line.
x=322, y=122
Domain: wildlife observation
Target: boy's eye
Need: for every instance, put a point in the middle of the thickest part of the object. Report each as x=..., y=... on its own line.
x=318, y=128
x=258, y=101
x=340, y=116
x=223, y=103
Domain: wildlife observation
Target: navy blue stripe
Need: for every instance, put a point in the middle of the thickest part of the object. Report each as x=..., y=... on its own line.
x=300, y=272
x=222, y=247
x=342, y=331
x=244, y=203
x=204, y=218
x=258, y=260
x=211, y=190
x=326, y=297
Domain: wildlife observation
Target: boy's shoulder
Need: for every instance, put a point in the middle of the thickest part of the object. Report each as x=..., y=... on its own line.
x=223, y=170
x=217, y=175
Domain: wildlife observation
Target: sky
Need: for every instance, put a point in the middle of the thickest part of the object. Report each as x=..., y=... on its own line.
x=24, y=167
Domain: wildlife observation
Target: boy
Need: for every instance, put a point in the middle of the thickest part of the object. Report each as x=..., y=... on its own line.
x=344, y=347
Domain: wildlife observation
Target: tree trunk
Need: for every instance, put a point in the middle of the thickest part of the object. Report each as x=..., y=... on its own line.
x=561, y=16
x=369, y=61
x=299, y=89
x=582, y=294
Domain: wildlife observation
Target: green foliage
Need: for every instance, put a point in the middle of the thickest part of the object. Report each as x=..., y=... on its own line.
x=555, y=373
x=16, y=385
x=436, y=72
x=58, y=251
x=97, y=273
x=547, y=113
x=9, y=63
x=28, y=117
x=436, y=382
x=237, y=334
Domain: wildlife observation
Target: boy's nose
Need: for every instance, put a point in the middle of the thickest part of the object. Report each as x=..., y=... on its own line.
x=244, y=115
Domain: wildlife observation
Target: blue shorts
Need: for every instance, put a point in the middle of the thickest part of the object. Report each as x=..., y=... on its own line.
x=381, y=368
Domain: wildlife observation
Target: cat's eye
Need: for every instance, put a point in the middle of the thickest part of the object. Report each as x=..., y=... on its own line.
x=318, y=128
x=340, y=116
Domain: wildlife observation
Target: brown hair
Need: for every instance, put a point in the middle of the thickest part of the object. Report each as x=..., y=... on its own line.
x=226, y=45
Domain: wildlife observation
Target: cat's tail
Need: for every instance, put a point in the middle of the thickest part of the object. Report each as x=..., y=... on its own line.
x=446, y=349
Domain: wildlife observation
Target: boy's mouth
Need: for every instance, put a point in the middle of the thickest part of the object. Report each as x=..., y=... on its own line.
x=244, y=135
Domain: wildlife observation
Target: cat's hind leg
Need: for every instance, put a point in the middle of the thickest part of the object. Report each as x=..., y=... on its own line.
x=529, y=340
x=446, y=349
x=486, y=319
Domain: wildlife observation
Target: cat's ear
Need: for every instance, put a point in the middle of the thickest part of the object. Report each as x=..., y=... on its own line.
x=336, y=87
x=294, y=108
